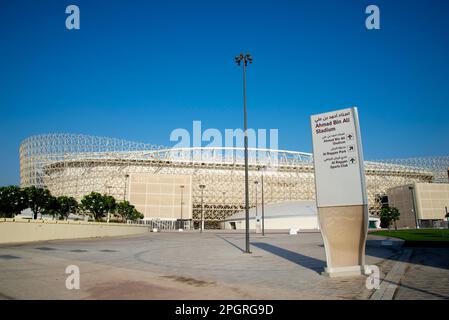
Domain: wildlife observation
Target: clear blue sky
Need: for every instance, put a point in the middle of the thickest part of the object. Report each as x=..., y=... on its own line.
x=139, y=69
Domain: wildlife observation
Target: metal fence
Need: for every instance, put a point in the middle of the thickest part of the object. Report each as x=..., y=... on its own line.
x=164, y=224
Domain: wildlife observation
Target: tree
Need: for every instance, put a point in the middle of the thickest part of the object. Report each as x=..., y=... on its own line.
x=60, y=207
x=98, y=205
x=127, y=211
x=389, y=215
x=39, y=200
x=12, y=201
x=66, y=206
x=52, y=207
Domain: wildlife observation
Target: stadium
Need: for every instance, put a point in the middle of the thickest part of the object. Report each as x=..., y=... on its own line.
x=164, y=183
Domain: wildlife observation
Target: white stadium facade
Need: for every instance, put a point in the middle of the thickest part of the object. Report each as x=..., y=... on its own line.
x=164, y=183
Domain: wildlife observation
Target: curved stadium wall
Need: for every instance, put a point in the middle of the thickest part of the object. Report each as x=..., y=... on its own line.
x=75, y=165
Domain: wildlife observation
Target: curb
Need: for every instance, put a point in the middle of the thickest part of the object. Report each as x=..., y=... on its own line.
x=391, y=281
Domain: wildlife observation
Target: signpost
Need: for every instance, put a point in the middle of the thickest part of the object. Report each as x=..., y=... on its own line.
x=340, y=190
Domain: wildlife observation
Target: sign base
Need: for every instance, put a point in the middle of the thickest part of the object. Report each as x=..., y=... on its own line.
x=344, y=231
x=344, y=271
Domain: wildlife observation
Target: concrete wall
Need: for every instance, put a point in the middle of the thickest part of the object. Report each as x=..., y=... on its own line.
x=401, y=198
x=160, y=196
x=13, y=231
x=430, y=202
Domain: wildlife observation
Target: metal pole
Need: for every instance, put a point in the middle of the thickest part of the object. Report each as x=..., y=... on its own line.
x=202, y=209
x=244, y=59
x=182, y=221
x=414, y=208
x=202, y=186
x=256, y=183
x=124, y=193
x=447, y=217
x=109, y=194
x=245, y=128
x=257, y=227
x=263, y=209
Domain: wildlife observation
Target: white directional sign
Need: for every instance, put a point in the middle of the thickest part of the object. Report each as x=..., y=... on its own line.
x=338, y=159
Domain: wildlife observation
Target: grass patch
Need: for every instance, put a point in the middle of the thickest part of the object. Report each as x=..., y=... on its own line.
x=419, y=236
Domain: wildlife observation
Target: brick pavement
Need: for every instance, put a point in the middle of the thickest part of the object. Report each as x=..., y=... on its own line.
x=182, y=266
x=427, y=277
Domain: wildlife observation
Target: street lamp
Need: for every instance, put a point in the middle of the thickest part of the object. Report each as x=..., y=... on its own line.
x=447, y=217
x=256, y=183
x=202, y=187
x=414, y=208
x=182, y=221
x=224, y=205
x=126, y=183
x=109, y=194
x=262, y=169
x=243, y=60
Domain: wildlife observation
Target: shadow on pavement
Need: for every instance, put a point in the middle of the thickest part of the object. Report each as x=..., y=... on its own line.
x=302, y=260
x=232, y=244
x=435, y=257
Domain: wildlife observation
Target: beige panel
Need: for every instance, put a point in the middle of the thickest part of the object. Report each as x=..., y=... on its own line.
x=167, y=200
x=153, y=211
x=430, y=199
x=168, y=188
x=162, y=195
x=137, y=199
x=153, y=199
x=166, y=179
x=344, y=232
x=139, y=188
x=426, y=203
x=169, y=212
x=153, y=188
x=137, y=179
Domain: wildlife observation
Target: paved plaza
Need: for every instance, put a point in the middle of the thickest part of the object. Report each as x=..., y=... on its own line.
x=212, y=265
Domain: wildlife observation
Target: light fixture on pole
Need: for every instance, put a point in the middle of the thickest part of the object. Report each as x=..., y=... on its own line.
x=224, y=205
x=262, y=169
x=109, y=194
x=182, y=220
x=255, y=185
x=202, y=187
x=126, y=183
x=257, y=219
x=414, y=208
x=243, y=60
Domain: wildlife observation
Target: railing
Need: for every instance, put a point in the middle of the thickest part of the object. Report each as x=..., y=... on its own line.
x=163, y=224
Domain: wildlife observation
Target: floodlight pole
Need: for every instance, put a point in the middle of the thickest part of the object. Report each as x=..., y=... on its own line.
x=126, y=183
x=414, y=208
x=256, y=183
x=182, y=221
x=109, y=194
x=244, y=59
x=202, y=186
x=263, y=204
